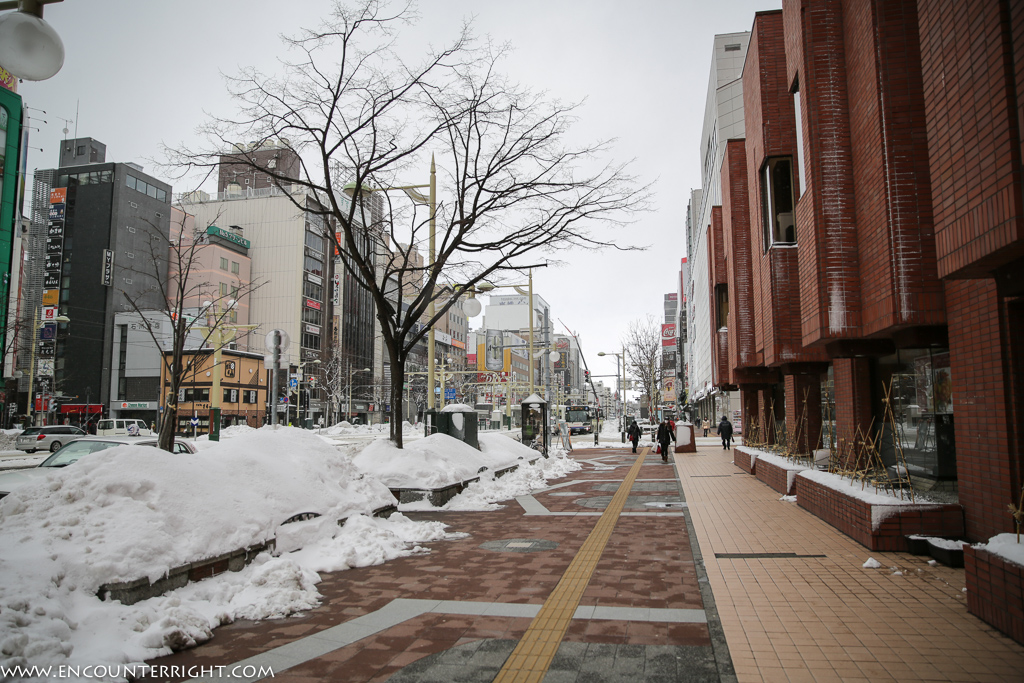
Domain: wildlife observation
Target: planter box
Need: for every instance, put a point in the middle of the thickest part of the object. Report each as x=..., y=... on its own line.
x=951, y=557
x=918, y=545
x=744, y=459
x=779, y=476
x=685, y=441
x=994, y=591
x=878, y=526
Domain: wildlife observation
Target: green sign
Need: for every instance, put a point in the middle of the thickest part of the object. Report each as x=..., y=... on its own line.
x=10, y=139
x=229, y=236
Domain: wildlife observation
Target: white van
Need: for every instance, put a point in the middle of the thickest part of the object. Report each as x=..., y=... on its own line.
x=129, y=427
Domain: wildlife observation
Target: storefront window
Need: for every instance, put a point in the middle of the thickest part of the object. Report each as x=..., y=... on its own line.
x=919, y=384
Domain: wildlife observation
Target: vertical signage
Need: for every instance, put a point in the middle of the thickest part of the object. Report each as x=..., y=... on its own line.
x=108, y=268
x=51, y=269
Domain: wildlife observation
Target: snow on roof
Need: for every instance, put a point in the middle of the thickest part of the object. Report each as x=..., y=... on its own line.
x=458, y=408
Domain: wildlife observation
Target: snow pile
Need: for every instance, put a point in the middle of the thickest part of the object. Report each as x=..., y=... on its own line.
x=203, y=441
x=134, y=511
x=438, y=460
x=458, y=408
x=1006, y=547
x=483, y=494
x=872, y=563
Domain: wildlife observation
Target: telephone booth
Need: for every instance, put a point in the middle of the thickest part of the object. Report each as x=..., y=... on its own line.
x=535, y=423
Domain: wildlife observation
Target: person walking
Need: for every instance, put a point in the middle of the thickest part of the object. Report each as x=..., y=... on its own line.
x=707, y=426
x=633, y=434
x=725, y=431
x=665, y=436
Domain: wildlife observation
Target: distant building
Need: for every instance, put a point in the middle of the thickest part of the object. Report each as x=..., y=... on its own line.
x=97, y=245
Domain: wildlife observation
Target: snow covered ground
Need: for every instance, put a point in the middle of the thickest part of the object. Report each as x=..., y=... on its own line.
x=132, y=512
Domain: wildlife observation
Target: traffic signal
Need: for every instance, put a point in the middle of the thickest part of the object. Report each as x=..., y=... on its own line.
x=586, y=375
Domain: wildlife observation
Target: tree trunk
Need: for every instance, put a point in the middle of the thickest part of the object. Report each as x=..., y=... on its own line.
x=397, y=404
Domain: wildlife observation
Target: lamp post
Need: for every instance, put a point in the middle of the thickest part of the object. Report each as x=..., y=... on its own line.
x=36, y=326
x=220, y=335
x=431, y=202
x=301, y=377
x=350, y=373
x=622, y=389
x=484, y=287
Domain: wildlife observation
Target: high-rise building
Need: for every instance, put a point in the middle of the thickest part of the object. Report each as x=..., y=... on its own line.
x=97, y=246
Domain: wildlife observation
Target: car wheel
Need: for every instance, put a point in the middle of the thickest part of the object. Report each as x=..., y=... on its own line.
x=55, y=446
x=30, y=450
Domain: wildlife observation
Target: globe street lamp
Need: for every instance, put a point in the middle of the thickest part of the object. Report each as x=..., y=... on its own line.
x=29, y=47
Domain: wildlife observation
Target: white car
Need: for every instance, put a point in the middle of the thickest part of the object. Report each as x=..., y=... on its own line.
x=123, y=427
x=70, y=454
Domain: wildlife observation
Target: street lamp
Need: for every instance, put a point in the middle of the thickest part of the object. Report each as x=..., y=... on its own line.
x=29, y=47
x=350, y=373
x=430, y=201
x=36, y=326
x=622, y=389
x=301, y=376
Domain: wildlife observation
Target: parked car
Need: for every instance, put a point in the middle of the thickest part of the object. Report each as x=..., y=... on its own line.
x=78, y=448
x=123, y=427
x=49, y=438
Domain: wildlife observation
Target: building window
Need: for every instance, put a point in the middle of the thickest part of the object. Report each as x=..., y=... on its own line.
x=314, y=266
x=249, y=396
x=801, y=167
x=777, y=202
x=721, y=306
x=311, y=341
x=223, y=289
x=234, y=267
x=314, y=242
x=231, y=396
x=311, y=316
x=313, y=291
x=223, y=263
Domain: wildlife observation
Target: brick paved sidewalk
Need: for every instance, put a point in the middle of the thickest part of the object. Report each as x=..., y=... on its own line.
x=819, y=615
x=770, y=593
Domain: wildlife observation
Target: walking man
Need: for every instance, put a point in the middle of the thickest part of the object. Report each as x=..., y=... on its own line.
x=665, y=436
x=725, y=431
x=633, y=434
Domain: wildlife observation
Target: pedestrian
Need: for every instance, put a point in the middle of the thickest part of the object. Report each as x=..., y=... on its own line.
x=725, y=431
x=665, y=436
x=633, y=434
x=707, y=426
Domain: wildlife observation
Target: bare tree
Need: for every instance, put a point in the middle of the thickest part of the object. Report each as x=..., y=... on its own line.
x=643, y=357
x=191, y=306
x=513, y=192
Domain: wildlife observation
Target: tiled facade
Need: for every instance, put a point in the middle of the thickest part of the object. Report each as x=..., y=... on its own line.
x=872, y=236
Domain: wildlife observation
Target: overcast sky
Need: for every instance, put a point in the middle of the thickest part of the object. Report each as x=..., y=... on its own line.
x=142, y=74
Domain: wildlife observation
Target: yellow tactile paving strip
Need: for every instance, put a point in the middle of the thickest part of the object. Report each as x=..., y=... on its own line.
x=828, y=619
x=529, y=662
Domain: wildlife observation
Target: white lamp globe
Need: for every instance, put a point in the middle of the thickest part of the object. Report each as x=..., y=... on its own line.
x=29, y=47
x=554, y=356
x=471, y=307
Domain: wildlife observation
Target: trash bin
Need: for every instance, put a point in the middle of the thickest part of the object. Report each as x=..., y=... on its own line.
x=457, y=421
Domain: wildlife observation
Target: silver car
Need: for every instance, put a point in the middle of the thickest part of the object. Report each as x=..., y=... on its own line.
x=49, y=438
x=70, y=454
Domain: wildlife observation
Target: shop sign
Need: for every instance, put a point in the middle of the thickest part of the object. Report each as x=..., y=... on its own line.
x=313, y=304
x=59, y=195
x=51, y=297
x=312, y=329
x=57, y=212
x=108, y=268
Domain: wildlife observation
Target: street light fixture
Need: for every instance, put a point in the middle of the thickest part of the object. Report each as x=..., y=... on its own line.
x=622, y=389
x=36, y=326
x=29, y=47
x=430, y=201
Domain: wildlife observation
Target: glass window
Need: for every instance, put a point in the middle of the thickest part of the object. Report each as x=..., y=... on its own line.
x=161, y=195
x=131, y=181
x=80, y=151
x=312, y=316
x=223, y=289
x=151, y=191
x=234, y=267
x=223, y=263
x=310, y=341
x=314, y=242
x=777, y=202
x=314, y=266
x=313, y=291
x=801, y=171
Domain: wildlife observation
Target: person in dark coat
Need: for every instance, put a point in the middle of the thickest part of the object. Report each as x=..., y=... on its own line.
x=665, y=436
x=725, y=431
x=633, y=434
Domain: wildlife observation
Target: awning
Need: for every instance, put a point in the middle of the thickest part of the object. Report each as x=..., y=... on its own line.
x=81, y=409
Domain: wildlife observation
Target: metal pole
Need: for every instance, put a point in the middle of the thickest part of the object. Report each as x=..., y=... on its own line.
x=277, y=369
x=530, y=303
x=32, y=367
x=430, y=305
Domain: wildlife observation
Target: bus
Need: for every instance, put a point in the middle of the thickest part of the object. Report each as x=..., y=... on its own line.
x=579, y=419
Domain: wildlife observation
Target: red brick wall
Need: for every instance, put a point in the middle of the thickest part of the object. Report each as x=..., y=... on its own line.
x=803, y=422
x=742, y=459
x=971, y=53
x=717, y=259
x=994, y=591
x=736, y=234
x=827, y=232
x=749, y=408
x=774, y=476
x=987, y=435
x=852, y=382
x=892, y=188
